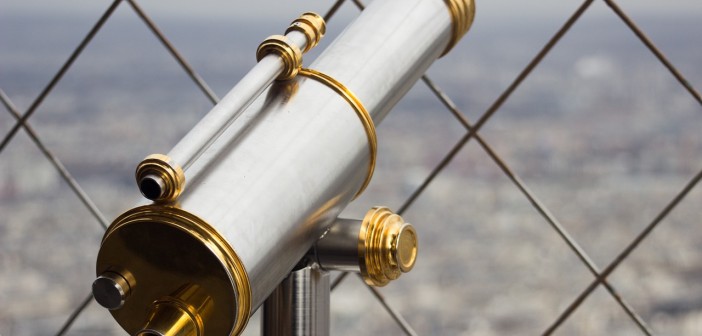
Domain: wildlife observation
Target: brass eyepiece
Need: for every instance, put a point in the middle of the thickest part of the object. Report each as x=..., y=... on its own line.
x=387, y=246
x=159, y=178
x=462, y=15
x=289, y=53
x=172, y=318
x=181, y=314
x=312, y=25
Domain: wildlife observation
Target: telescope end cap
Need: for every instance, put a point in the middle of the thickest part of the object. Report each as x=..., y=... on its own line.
x=387, y=246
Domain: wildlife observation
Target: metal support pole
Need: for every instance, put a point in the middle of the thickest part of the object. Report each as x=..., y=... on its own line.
x=299, y=305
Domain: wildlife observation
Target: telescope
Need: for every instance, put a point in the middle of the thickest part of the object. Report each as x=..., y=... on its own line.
x=244, y=209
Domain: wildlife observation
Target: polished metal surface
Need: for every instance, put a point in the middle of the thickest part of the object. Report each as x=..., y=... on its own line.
x=302, y=157
x=269, y=67
x=263, y=189
x=299, y=306
x=362, y=113
x=206, y=131
x=338, y=249
x=299, y=153
x=279, y=57
x=384, y=52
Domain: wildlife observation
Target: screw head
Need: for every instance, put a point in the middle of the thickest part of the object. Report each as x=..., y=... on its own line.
x=111, y=290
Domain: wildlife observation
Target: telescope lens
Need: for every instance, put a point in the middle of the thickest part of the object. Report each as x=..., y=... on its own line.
x=151, y=187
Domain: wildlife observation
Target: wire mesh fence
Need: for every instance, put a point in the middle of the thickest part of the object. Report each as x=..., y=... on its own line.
x=594, y=176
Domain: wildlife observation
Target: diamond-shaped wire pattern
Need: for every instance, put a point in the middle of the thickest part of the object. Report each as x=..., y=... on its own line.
x=601, y=275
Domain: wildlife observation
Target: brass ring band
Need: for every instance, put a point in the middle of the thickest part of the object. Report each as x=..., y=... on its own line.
x=312, y=25
x=289, y=53
x=165, y=168
x=361, y=111
x=462, y=14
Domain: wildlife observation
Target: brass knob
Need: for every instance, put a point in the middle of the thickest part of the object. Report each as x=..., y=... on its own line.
x=111, y=289
x=387, y=246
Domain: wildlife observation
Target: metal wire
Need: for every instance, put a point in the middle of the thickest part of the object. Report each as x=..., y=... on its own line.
x=74, y=316
x=537, y=204
x=652, y=47
x=401, y=322
x=534, y=201
x=339, y=279
x=625, y=253
x=472, y=132
x=643, y=234
x=86, y=40
x=359, y=4
x=84, y=198
x=22, y=120
x=330, y=13
x=194, y=76
x=496, y=105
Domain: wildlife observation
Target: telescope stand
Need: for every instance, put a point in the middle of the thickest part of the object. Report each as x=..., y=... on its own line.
x=270, y=168
x=380, y=247
x=299, y=305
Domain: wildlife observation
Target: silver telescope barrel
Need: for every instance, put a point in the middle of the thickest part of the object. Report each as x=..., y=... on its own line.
x=279, y=57
x=270, y=185
x=270, y=66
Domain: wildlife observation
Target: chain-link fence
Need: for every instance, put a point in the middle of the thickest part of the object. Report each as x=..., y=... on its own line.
x=538, y=217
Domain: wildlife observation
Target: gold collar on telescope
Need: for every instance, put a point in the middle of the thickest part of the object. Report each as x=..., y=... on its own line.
x=462, y=14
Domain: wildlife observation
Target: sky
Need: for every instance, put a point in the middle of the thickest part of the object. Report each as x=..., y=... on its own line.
x=488, y=9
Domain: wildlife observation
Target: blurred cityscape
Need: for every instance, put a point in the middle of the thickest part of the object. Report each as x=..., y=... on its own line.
x=600, y=132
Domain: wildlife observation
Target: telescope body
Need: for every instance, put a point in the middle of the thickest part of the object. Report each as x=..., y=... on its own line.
x=273, y=182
